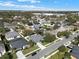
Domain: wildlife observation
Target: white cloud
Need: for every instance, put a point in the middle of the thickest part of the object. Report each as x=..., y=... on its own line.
x=30, y=7
x=11, y=4
x=8, y=4
x=32, y=1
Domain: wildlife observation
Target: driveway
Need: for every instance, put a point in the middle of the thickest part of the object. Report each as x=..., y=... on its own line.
x=20, y=55
x=40, y=45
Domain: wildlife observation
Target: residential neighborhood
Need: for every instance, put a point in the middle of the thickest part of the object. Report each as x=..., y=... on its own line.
x=36, y=35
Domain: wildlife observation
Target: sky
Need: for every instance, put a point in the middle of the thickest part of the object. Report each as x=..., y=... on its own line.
x=54, y=5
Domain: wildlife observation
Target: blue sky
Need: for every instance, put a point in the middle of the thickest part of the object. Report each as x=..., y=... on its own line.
x=39, y=5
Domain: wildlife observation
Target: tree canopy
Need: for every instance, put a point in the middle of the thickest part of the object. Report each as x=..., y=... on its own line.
x=62, y=49
x=63, y=33
x=49, y=38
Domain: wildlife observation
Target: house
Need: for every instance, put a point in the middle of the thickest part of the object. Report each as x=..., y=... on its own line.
x=36, y=26
x=15, y=40
x=36, y=38
x=76, y=24
x=2, y=49
x=18, y=43
x=42, y=21
x=11, y=35
x=17, y=17
x=75, y=52
x=7, y=25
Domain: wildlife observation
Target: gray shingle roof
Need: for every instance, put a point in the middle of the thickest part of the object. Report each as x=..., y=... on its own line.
x=75, y=52
x=18, y=43
x=11, y=34
x=7, y=25
x=36, y=26
x=36, y=37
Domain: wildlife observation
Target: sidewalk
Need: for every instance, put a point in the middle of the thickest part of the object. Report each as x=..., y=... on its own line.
x=39, y=48
x=40, y=45
x=51, y=54
x=36, y=50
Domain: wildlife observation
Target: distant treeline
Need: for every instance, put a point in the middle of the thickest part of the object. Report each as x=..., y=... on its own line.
x=39, y=11
x=6, y=13
x=14, y=13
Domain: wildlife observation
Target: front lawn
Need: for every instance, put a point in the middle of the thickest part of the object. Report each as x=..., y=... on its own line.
x=14, y=56
x=58, y=55
x=27, y=50
x=44, y=43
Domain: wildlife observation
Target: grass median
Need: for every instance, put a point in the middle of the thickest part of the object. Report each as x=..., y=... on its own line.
x=58, y=55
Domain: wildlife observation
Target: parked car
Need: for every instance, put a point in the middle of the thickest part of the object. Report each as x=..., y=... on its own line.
x=34, y=53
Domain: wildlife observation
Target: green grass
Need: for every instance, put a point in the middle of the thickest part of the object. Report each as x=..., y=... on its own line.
x=9, y=56
x=58, y=55
x=27, y=50
x=14, y=56
x=2, y=30
x=44, y=43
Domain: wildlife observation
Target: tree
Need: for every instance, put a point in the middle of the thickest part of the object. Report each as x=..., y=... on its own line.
x=6, y=43
x=7, y=56
x=52, y=22
x=56, y=26
x=21, y=27
x=49, y=38
x=76, y=40
x=2, y=37
x=39, y=32
x=67, y=55
x=64, y=33
x=46, y=27
x=31, y=43
x=75, y=28
x=27, y=32
x=72, y=18
x=2, y=30
x=7, y=30
x=62, y=49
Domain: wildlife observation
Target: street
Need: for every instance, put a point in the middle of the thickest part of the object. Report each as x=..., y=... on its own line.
x=53, y=47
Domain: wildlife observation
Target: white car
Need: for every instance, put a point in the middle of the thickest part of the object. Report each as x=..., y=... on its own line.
x=67, y=43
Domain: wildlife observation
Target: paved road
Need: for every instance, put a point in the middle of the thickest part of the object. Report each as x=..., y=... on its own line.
x=52, y=47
